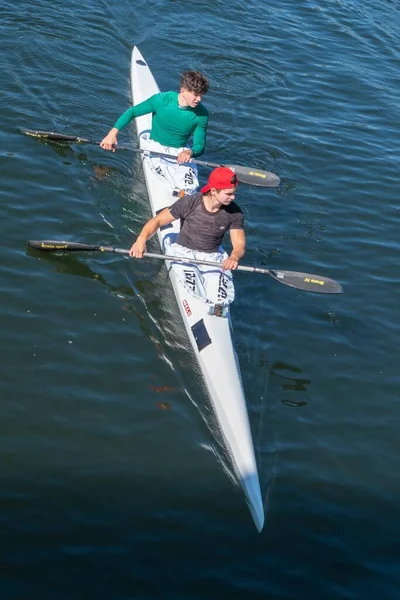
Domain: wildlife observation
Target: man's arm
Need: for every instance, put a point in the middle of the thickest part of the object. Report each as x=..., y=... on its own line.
x=238, y=240
x=199, y=136
x=199, y=142
x=148, y=106
x=139, y=247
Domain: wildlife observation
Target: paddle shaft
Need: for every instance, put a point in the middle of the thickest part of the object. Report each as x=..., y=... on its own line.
x=248, y=175
x=296, y=279
x=172, y=157
x=54, y=246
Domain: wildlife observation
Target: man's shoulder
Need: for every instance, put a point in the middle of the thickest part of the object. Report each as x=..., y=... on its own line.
x=201, y=110
x=233, y=208
x=166, y=97
x=191, y=199
x=187, y=202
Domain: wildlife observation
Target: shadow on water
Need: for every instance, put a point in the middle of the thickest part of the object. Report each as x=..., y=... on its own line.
x=67, y=153
x=69, y=264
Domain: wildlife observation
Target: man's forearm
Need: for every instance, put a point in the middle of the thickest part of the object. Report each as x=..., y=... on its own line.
x=238, y=251
x=149, y=230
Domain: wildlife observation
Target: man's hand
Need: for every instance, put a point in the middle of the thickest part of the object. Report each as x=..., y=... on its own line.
x=137, y=249
x=184, y=156
x=110, y=141
x=230, y=264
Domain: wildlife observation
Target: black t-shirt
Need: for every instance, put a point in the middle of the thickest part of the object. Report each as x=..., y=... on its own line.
x=200, y=229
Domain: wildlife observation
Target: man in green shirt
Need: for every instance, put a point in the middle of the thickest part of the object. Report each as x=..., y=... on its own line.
x=177, y=117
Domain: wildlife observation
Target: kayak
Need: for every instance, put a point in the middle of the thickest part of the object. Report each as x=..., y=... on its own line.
x=209, y=334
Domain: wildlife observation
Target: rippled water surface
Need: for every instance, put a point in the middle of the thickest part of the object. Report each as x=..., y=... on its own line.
x=111, y=486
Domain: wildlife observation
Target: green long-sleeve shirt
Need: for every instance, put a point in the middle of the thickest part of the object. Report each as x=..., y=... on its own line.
x=172, y=126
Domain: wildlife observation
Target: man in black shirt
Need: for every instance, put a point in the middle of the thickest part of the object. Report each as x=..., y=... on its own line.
x=206, y=217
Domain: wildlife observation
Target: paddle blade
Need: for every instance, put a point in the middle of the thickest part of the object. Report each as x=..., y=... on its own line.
x=53, y=135
x=57, y=246
x=253, y=176
x=307, y=282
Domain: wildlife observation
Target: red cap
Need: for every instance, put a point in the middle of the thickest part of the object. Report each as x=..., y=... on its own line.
x=221, y=178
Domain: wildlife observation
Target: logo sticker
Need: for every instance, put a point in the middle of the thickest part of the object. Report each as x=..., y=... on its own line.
x=187, y=308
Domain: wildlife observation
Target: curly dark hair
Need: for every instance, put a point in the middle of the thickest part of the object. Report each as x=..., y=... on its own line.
x=194, y=81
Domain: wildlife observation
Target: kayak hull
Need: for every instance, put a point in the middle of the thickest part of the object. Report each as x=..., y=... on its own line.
x=209, y=335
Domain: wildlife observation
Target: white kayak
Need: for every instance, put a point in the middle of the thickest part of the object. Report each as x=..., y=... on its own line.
x=209, y=335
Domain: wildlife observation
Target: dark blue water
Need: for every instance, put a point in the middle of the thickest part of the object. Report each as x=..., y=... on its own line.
x=111, y=483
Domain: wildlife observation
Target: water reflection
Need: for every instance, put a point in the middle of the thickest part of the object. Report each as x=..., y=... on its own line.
x=67, y=152
x=291, y=383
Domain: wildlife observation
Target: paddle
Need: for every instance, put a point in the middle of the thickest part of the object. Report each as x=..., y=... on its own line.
x=249, y=175
x=300, y=281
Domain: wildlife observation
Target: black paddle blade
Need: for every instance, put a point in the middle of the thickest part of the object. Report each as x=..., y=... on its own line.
x=307, y=282
x=57, y=246
x=253, y=176
x=53, y=135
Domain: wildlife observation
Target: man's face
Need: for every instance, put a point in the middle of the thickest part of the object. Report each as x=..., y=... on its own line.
x=225, y=197
x=192, y=99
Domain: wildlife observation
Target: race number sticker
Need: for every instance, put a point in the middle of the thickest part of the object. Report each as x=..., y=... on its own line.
x=223, y=285
x=190, y=280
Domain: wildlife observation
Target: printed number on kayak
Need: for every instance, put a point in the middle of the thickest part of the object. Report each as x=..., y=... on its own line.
x=190, y=280
x=222, y=287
